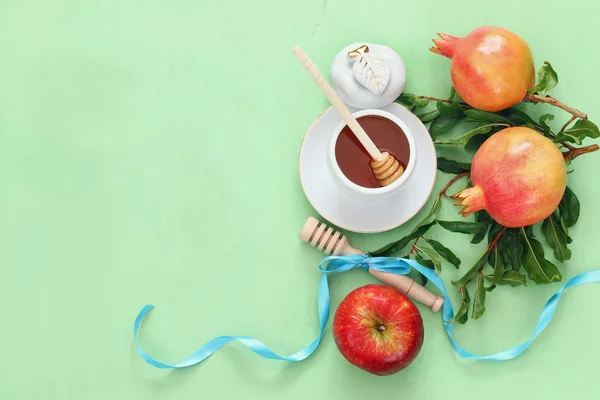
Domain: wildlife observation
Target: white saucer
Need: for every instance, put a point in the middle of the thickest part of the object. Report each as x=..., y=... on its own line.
x=354, y=213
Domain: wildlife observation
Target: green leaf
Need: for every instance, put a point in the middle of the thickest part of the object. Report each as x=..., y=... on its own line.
x=432, y=216
x=445, y=252
x=474, y=115
x=451, y=166
x=424, y=262
x=471, y=273
x=464, y=318
x=462, y=314
x=479, y=301
x=420, y=103
x=519, y=117
x=412, y=101
x=407, y=100
x=452, y=110
x=406, y=97
x=509, y=245
x=452, y=93
x=420, y=230
x=569, y=208
x=475, y=142
x=433, y=256
x=391, y=248
x=482, y=129
x=563, y=224
x=490, y=288
x=498, y=265
x=428, y=116
x=556, y=238
x=450, y=114
x=396, y=246
x=471, y=228
x=540, y=270
x=569, y=239
x=543, y=119
x=547, y=79
x=441, y=125
x=494, y=231
x=482, y=216
x=511, y=248
x=416, y=275
x=511, y=278
x=583, y=128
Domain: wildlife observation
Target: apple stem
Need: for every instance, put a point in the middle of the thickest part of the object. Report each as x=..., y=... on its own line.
x=380, y=328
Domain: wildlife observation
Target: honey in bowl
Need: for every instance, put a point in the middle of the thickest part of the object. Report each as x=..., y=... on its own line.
x=354, y=161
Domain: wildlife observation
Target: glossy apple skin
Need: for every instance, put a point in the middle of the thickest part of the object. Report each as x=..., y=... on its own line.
x=359, y=337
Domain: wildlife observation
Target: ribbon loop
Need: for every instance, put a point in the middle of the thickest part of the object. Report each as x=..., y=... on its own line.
x=337, y=264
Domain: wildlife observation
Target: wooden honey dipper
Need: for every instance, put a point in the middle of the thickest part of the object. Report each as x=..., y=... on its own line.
x=384, y=166
x=332, y=242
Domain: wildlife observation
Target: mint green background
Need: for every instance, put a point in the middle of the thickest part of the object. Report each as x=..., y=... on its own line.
x=134, y=142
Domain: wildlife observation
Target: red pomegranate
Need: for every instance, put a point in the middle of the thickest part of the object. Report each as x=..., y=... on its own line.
x=492, y=68
x=519, y=177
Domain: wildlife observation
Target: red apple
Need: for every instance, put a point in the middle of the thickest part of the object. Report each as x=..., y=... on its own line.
x=378, y=329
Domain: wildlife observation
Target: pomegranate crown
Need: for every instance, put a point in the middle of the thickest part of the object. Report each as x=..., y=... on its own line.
x=446, y=46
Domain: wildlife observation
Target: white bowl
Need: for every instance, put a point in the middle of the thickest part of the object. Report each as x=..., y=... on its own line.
x=348, y=209
x=373, y=193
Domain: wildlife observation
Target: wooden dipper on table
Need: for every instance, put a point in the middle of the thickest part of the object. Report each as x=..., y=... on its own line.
x=332, y=242
x=384, y=166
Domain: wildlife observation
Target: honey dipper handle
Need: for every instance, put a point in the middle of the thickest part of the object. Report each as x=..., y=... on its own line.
x=338, y=104
x=333, y=243
x=401, y=283
x=410, y=288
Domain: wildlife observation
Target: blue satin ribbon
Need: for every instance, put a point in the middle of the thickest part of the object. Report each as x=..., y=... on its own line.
x=337, y=264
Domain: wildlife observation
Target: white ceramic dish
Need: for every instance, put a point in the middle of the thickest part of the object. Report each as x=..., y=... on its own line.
x=373, y=193
x=363, y=213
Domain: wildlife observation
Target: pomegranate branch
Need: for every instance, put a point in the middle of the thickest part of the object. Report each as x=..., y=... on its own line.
x=575, y=152
x=429, y=98
x=414, y=246
x=573, y=118
x=568, y=146
x=493, y=244
x=457, y=177
x=460, y=289
x=554, y=102
x=495, y=241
